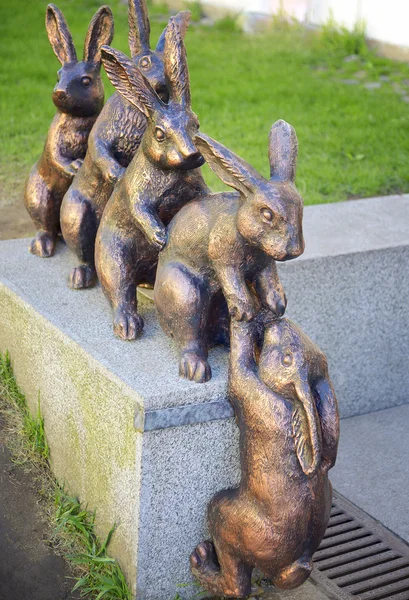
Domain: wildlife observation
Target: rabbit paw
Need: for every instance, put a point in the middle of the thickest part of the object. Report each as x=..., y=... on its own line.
x=76, y=165
x=241, y=309
x=204, y=564
x=128, y=325
x=194, y=367
x=205, y=567
x=43, y=244
x=114, y=174
x=159, y=237
x=276, y=302
x=82, y=277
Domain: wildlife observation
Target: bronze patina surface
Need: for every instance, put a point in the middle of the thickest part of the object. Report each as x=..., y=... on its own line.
x=79, y=97
x=287, y=414
x=223, y=247
x=161, y=178
x=112, y=145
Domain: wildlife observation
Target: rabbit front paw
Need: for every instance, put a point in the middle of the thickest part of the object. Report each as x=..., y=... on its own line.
x=276, y=302
x=241, y=309
x=114, y=173
x=128, y=325
x=76, y=165
x=158, y=237
x=72, y=169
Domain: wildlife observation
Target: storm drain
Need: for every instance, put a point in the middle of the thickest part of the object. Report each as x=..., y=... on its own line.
x=359, y=558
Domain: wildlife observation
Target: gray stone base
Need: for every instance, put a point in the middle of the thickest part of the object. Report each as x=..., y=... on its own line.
x=148, y=450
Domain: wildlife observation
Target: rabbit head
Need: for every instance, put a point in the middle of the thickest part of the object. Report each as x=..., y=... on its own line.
x=285, y=367
x=79, y=90
x=171, y=127
x=150, y=62
x=270, y=215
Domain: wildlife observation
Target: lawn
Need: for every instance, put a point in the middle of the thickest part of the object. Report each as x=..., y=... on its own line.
x=354, y=141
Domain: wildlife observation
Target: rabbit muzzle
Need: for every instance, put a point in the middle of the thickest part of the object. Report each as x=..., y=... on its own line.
x=195, y=160
x=59, y=97
x=294, y=247
x=190, y=161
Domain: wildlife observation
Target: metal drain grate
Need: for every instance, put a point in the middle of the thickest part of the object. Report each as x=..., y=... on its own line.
x=359, y=558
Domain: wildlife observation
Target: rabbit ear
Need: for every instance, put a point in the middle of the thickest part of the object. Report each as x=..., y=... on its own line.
x=175, y=61
x=229, y=167
x=306, y=429
x=59, y=35
x=283, y=151
x=183, y=20
x=129, y=81
x=100, y=32
x=139, y=27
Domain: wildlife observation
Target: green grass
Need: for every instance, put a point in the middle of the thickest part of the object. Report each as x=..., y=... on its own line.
x=353, y=141
x=97, y=575
x=31, y=429
x=102, y=577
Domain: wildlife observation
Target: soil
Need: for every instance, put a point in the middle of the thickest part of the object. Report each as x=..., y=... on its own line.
x=29, y=568
x=15, y=222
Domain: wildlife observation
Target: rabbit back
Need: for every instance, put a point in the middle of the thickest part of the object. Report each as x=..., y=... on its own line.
x=191, y=244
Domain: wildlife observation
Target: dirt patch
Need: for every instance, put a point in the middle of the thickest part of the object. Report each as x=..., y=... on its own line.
x=15, y=222
x=29, y=569
x=14, y=219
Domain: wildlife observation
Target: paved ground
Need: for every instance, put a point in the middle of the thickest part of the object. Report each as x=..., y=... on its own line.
x=372, y=469
x=29, y=570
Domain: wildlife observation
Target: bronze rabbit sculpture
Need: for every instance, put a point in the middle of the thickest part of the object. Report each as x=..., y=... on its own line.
x=112, y=144
x=163, y=175
x=79, y=97
x=226, y=244
x=287, y=414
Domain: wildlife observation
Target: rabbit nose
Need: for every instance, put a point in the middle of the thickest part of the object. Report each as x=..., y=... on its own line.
x=296, y=248
x=196, y=159
x=193, y=160
x=60, y=94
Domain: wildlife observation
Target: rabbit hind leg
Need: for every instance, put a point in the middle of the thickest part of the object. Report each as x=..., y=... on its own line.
x=295, y=575
x=218, y=565
x=79, y=224
x=44, y=210
x=226, y=576
x=116, y=264
x=182, y=300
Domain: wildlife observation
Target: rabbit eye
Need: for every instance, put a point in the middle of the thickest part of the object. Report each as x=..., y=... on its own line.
x=160, y=134
x=58, y=76
x=145, y=62
x=267, y=214
x=287, y=359
x=86, y=81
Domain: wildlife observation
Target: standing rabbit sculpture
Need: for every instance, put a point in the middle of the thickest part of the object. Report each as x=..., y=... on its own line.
x=79, y=97
x=287, y=414
x=112, y=144
x=163, y=175
x=229, y=255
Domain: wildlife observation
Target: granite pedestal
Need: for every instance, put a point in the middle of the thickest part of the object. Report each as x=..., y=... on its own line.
x=148, y=450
